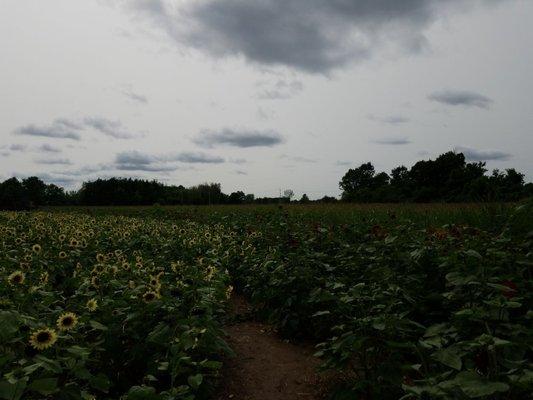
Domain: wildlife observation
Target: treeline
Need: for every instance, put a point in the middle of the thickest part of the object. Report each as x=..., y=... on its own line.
x=448, y=178
x=33, y=192
x=30, y=193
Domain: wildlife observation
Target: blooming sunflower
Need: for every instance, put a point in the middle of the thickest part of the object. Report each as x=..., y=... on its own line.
x=67, y=321
x=62, y=254
x=43, y=338
x=150, y=296
x=36, y=248
x=16, y=278
x=92, y=305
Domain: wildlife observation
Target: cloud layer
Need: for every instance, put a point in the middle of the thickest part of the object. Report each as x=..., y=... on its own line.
x=238, y=138
x=62, y=128
x=482, y=155
x=315, y=36
x=138, y=161
x=461, y=98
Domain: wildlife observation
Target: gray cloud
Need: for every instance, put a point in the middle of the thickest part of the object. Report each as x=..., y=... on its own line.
x=280, y=90
x=343, y=163
x=137, y=161
x=389, y=119
x=393, y=141
x=148, y=168
x=47, y=148
x=196, y=158
x=63, y=128
x=53, y=161
x=310, y=35
x=59, y=130
x=109, y=127
x=298, y=159
x=482, y=155
x=18, y=147
x=139, y=98
x=238, y=138
x=461, y=98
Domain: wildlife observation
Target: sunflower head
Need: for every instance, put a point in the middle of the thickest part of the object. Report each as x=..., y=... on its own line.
x=100, y=258
x=36, y=248
x=150, y=296
x=62, y=254
x=16, y=278
x=92, y=305
x=67, y=321
x=43, y=338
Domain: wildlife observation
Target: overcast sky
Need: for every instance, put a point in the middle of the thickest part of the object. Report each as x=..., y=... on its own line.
x=261, y=95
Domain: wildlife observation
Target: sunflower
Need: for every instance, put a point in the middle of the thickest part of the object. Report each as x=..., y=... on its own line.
x=16, y=278
x=92, y=305
x=36, y=248
x=150, y=296
x=67, y=321
x=43, y=338
x=100, y=258
x=62, y=254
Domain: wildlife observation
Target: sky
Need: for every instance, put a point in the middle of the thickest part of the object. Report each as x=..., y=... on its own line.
x=261, y=95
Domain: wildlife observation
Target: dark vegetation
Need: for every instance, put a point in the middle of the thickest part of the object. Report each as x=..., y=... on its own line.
x=449, y=178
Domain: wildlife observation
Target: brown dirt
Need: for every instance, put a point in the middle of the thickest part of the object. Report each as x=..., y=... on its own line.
x=266, y=367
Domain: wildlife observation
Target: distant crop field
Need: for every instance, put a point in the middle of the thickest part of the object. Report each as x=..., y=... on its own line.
x=401, y=301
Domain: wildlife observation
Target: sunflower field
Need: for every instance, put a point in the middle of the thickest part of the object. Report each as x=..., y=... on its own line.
x=109, y=307
x=401, y=303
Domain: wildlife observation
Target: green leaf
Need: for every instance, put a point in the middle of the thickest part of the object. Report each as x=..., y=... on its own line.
x=473, y=253
x=319, y=313
x=160, y=334
x=9, y=323
x=12, y=391
x=44, y=386
x=474, y=385
x=97, y=325
x=100, y=382
x=142, y=393
x=449, y=357
x=195, y=380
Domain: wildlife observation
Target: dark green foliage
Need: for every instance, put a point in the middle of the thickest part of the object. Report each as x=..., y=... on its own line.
x=448, y=178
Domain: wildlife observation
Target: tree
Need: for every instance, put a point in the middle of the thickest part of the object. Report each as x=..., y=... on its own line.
x=13, y=195
x=288, y=194
x=236, y=198
x=305, y=199
x=35, y=191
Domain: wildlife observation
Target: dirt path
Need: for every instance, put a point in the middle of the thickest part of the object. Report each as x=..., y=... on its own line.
x=266, y=367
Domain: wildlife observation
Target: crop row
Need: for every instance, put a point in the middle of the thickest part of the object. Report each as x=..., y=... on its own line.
x=109, y=307
x=403, y=311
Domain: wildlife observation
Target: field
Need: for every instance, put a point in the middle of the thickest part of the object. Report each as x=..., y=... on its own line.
x=413, y=302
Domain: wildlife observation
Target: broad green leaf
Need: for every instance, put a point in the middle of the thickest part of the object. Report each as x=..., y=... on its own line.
x=44, y=386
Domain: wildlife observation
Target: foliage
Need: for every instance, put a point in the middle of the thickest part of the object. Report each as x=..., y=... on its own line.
x=404, y=310
x=447, y=178
x=129, y=308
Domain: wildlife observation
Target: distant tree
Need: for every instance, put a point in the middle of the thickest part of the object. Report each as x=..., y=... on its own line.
x=288, y=194
x=236, y=198
x=447, y=178
x=305, y=199
x=13, y=196
x=35, y=191
x=328, y=199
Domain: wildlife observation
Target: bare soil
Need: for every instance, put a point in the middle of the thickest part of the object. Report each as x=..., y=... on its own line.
x=266, y=367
